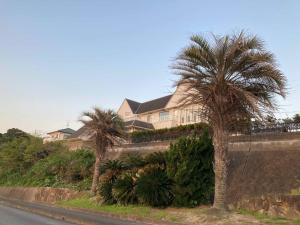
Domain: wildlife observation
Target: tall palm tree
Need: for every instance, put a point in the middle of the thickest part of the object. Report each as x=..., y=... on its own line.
x=232, y=78
x=105, y=127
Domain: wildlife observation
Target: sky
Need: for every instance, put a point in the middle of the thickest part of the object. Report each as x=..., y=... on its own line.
x=61, y=57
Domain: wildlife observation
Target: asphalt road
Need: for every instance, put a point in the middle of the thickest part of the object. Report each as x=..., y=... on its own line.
x=15, y=212
x=12, y=216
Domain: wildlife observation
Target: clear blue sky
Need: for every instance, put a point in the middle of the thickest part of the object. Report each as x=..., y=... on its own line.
x=58, y=57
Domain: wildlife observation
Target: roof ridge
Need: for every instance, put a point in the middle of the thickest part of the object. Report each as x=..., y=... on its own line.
x=157, y=98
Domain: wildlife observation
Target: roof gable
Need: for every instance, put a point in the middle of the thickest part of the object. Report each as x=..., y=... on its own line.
x=133, y=105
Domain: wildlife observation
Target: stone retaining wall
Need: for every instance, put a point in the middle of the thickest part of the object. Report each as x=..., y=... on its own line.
x=276, y=205
x=39, y=194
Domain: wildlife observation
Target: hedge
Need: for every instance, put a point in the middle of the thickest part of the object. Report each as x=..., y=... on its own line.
x=168, y=133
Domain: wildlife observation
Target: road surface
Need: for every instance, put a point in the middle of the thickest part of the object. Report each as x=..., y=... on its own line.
x=14, y=212
x=12, y=216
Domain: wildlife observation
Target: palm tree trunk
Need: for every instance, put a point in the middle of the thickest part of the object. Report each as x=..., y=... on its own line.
x=96, y=175
x=98, y=151
x=220, y=168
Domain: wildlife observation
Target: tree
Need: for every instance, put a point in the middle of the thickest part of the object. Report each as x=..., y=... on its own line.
x=105, y=127
x=296, y=118
x=231, y=77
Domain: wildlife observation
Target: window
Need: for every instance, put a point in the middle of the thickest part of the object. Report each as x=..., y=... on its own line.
x=195, y=116
x=127, y=114
x=188, y=118
x=163, y=116
x=149, y=118
x=182, y=119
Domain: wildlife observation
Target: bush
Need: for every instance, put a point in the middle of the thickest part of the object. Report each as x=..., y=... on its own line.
x=110, y=170
x=156, y=158
x=105, y=188
x=124, y=189
x=62, y=169
x=190, y=165
x=154, y=188
x=134, y=161
x=79, y=166
x=113, y=165
x=168, y=133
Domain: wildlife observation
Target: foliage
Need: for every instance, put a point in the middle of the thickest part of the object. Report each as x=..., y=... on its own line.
x=167, y=133
x=296, y=118
x=154, y=187
x=26, y=161
x=61, y=168
x=156, y=158
x=134, y=161
x=124, y=189
x=105, y=188
x=11, y=134
x=110, y=170
x=115, y=166
x=190, y=165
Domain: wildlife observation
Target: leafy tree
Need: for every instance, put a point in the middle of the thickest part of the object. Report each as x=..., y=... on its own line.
x=105, y=127
x=15, y=133
x=231, y=77
x=296, y=118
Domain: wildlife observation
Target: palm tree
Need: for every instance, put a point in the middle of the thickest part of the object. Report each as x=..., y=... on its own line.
x=232, y=78
x=105, y=127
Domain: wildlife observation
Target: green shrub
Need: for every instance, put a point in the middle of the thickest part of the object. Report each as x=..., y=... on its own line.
x=134, y=161
x=62, y=169
x=168, y=133
x=113, y=165
x=190, y=165
x=105, y=188
x=110, y=170
x=124, y=189
x=154, y=187
x=156, y=158
x=79, y=166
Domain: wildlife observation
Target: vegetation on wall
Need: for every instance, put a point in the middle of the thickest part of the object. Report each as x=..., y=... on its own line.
x=182, y=176
x=26, y=161
x=168, y=133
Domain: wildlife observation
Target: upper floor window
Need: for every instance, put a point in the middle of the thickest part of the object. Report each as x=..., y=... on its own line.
x=127, y=114
x=163, y=116
x=149, y=118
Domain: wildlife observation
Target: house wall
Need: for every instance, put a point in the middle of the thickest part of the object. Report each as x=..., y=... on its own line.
x=177, y=115
x=125, y=111
x=56, y=136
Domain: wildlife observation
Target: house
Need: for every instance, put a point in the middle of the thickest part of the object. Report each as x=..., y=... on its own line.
x=58, y=135
x=164, y=112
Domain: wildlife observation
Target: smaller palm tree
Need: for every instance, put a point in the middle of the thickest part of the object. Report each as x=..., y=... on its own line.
x=106, y=128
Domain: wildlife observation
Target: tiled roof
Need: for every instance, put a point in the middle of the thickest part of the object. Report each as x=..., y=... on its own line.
x=79, y=132
x=133, y=105
x=155, y=104
x=66, y=131
x=138, y=123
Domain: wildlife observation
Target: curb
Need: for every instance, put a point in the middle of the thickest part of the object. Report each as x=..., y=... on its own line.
x=42, y=212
